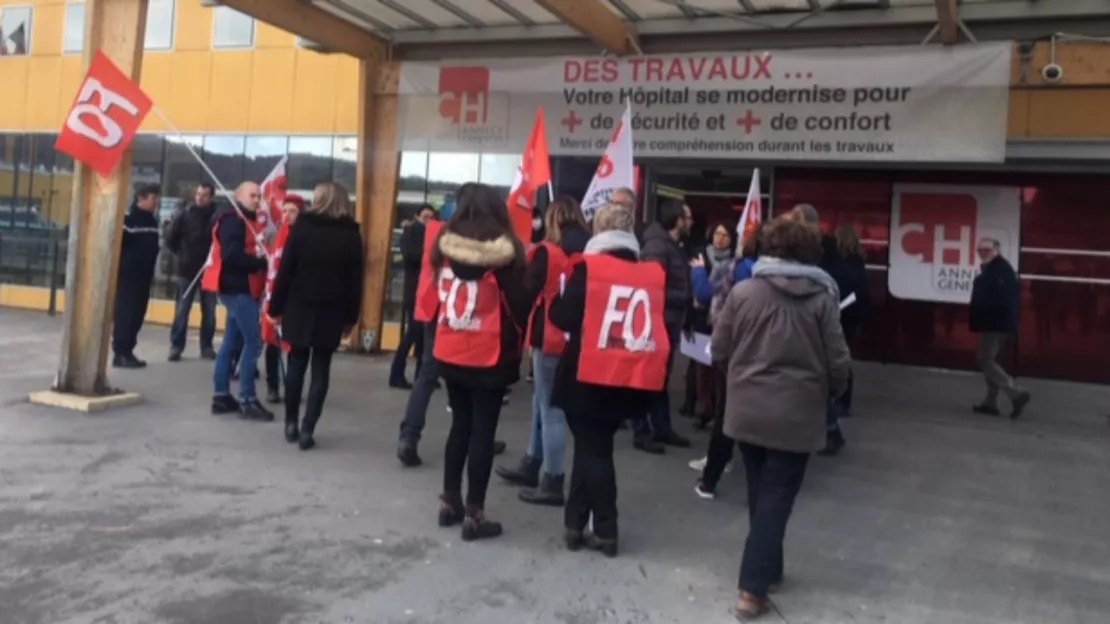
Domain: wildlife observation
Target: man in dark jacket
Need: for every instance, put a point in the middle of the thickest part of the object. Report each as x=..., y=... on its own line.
x=412, y=256
x=661, y=244
x=138, y=259
x=189, y=237
x=995, y=297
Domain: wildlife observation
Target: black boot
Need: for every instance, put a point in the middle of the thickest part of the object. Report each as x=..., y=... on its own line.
x=477, y=526
x=451, y=510
x=526, y=473
x=834, y=442
x=292, y=434
x=549, y=492
x=574, y=539
x=408, y=456
x=607, y=547
x=306, y=440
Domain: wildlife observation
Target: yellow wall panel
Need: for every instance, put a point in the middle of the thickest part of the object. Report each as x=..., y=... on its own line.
x=190, y=95
x=313, y=88
x=230, y=99
x=43, y=88
x=267, y=36
x=1017, y=123
x=346, y=96
x=1085, y=115
x=271, y=104
x=13, y=103
x=71, y=72
x=47, y=23
x=193, y=30
x=155, y=81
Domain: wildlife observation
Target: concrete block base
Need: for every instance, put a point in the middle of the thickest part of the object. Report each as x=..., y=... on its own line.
x=86, y=404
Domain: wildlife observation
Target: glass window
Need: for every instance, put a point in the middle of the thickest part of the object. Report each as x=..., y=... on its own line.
x=263, y=153
x=499, y=171
x=448, y=171
x=413, y=183
x=231, y=29
x=73, y=35
x=346, y=162
x=15, y=31
x=310, y=162
x=223, y=153
x=159, y=25
x=147, y=161
x=181, y=172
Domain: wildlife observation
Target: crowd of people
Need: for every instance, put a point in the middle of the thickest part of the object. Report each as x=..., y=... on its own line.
x=600, y=308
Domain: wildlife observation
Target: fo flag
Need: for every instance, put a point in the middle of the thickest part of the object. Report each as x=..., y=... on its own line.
x=274, y=189
x=105, y=116
x=534, y=173
x=752, y=216
x=615, y=169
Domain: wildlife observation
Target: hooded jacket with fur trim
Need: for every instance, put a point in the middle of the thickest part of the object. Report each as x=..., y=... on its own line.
x=470, y=259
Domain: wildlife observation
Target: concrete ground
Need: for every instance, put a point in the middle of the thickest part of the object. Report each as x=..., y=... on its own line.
x=163, y=513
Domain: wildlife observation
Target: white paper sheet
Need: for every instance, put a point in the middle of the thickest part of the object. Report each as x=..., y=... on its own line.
x=697, y=349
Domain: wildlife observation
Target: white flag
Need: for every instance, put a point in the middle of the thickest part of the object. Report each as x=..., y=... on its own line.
x=615, y=169
x=752, y=216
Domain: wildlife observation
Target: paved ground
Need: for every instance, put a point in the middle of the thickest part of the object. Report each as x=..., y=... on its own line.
x=163, y=513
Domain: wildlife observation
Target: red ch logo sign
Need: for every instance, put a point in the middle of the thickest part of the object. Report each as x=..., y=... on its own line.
x=636, y=312
x=464, y=94
x=938, y=228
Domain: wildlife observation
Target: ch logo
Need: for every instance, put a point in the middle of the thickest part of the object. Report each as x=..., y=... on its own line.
x=450, y=288
x=638, y=305
x=105, y=132
x=463, y=108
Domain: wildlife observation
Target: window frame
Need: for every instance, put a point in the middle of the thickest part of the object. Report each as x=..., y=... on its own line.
x=65, y=24
x=173, y=30
x=30, y=26
x=234, y=46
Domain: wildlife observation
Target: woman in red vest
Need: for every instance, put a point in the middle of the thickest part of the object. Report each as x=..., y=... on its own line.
x=484, y=302
x=566, y=235
x=614, y=363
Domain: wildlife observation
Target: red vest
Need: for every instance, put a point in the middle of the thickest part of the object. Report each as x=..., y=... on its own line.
x=270, y=334
x=624, y=339
x=427, y=298
x=554, y=341
x=210, y=281
x=468, y=330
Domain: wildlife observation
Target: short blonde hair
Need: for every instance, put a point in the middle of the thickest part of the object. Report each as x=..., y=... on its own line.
x=613, y=217
x=331, y=199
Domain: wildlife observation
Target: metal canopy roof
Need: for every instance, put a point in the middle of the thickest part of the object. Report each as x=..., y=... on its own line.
x=426, y=29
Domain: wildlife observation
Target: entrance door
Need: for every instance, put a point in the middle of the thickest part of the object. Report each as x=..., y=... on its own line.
x=714, y=194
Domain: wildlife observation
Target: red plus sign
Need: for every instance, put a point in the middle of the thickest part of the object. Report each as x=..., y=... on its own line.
x=749, y=121
x=571, y=121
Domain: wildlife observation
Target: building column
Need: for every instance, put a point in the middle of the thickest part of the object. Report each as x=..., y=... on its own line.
x=116, y=28
x=378, y=167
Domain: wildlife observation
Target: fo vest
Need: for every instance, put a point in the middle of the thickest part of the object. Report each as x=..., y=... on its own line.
x=624, y=339
x=554, y=341
x=427, y=297
x=210, y=280
x=468, y=328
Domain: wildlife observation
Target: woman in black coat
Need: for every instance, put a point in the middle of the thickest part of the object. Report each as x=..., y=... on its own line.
x=476, y=242
x=316, y=299
x=594, y=413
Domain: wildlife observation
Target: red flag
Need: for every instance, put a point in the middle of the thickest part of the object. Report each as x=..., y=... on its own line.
x=534, y=174
x=106, y=114
x=269, y=330
x=274, y=189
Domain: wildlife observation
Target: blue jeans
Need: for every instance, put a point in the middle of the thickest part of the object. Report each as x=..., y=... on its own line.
x=242, y=332
x=549, y=436
x=180, y=329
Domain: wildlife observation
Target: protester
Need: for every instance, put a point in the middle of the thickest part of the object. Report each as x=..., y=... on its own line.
x=607, y=373
x=138, y=258
x=713, y=290
x=566, y=235
x=480, y=266
x=661, y=245
x=189, y=238
x=853, y=317
x=779, y=336
x=995, y=297
x=238, y=273
x=291, y=207
x=720, y=251
x=412, y=253
x=316, y=301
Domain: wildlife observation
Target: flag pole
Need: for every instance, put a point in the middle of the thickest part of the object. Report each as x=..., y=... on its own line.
x=550, y=192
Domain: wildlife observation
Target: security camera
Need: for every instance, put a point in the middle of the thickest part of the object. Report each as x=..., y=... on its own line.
x=1052, y=73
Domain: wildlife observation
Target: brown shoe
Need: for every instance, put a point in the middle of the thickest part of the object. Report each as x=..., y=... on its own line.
x=477, y=526
x=451, y=511
x=751, y=607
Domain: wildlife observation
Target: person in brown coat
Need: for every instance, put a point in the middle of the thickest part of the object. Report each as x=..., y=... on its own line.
x=780, y=339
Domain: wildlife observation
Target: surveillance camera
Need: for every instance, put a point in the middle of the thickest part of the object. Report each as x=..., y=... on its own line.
x=1052, y=73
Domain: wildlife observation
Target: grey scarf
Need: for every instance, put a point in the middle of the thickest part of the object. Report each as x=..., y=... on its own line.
x=768, y=266
x=613, y=239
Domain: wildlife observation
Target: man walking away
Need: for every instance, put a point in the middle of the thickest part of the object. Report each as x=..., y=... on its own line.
x=238, y=273
x=412, y=254
x=189, y=238
x=995, y=297
x=661, y=245
x=138, y=259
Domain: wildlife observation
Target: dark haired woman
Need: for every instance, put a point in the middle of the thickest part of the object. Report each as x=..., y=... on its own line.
x=484, y=303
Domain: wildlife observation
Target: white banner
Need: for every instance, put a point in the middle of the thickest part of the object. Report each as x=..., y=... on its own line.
x=614, y=171
x=934, y=230
x=911, y=103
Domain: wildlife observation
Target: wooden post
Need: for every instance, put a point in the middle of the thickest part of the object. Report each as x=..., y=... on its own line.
x=117, y=28
x=379, y=162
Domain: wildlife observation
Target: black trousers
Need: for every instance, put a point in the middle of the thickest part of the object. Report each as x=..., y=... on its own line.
x=317, y=390
x=412, y=341
x=474, y=416
x=774, y=479
x=593, y=477
x=132, y=298
x=273, y=366
x=720, y=446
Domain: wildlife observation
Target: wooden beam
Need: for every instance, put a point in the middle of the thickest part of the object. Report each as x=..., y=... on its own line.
x=379, y=162
x=947, y=16
x=594, y=20
x=306, y=20
x=116, y=28
x=1085, y=64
